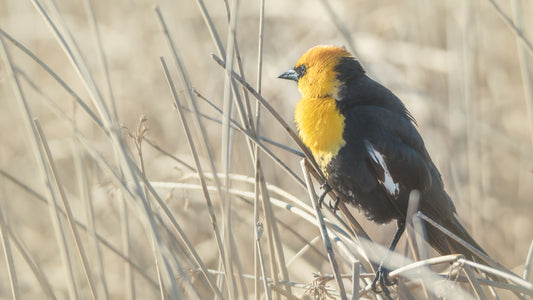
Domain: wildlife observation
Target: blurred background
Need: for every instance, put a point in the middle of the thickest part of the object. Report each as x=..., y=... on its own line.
x=461, y=70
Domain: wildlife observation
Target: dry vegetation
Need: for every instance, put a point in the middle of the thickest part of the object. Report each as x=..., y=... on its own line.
x=103, y=197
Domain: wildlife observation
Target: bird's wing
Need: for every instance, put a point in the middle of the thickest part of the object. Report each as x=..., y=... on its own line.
x=403, y=153
x=381, y=171
x=395, y=151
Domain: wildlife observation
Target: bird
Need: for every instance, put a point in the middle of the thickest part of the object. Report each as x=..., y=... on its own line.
x=367, y=144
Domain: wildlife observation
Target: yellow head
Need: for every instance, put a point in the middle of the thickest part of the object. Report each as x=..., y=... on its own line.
x=316, y=72
x=318, y=120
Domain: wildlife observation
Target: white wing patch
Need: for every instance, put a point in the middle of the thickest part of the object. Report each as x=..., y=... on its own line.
x=392, y=187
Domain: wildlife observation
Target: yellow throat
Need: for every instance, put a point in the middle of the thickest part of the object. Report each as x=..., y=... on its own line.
x=320, y=126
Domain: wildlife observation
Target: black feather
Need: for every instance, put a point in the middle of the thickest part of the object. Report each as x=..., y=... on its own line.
x=373, y=114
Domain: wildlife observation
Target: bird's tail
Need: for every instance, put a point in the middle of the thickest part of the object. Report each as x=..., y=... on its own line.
x=445, y=245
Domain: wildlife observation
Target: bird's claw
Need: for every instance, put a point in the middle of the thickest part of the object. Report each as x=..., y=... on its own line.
x=382, y=277
x=335, y=205
x=326, y=189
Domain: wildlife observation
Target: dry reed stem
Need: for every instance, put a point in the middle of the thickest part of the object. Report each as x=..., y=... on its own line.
x=189, y=95
x=529, y=263
x=253, y=139
x=126, y=238
x=8, y=254
x=93, y=23
x=272, y=111
x=487, y=259
x=248, y=124
x=274, y=235
x=82, y=226
x=184, y=79
x=137, y=138
x=260, y=265
x=356, y=274
x=35, y=268
x=474, y=283
x=84, y=186
x=214, y=223
x=70, y=218
x=41, y=158
x=323, y=230
x=56, y=77
x=306, y=213
x=525, y=63
x=516, y=29
x=143, y=209
x=72, y=51
x=66, y=41
x=225, y=154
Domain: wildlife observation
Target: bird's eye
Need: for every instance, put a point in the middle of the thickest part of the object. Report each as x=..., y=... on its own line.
x=300, y=70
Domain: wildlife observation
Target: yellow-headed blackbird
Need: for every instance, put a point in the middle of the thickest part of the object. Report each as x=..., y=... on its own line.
x=367, y=145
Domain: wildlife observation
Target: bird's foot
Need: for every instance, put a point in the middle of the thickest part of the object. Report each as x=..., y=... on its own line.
x=382, y=278
x=335, y=204
x=326, y=189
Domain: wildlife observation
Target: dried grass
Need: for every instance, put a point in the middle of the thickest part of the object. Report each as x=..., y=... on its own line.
x=209, y=200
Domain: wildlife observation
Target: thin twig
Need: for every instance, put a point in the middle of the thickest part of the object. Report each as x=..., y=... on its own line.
x=260, y=266
x=272, y=110
x=126, y=239
x=474, y=283
x=478, y=253
x=66, y=41
x=84, y=186
x=356, y=269
x=102, y=57
x=525, y=64
x=56, y=77
x=166, y=153
x=225, y=153
x=509, y=276
x=37, y=271
x=256, y=142
x=529, y=262
x=519, y=33
x=340, y=27
x=280, y=120
x=70, y=218
x=8, y=254
x=41, y=163
x=82, y=226
x=207, y=197
x=323, y=230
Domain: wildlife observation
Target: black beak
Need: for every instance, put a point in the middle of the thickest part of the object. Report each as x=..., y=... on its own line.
x=290, y=74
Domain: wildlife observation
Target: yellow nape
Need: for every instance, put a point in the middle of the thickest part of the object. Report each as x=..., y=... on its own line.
x=320, y=126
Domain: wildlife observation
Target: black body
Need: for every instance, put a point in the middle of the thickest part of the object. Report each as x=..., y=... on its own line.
x=373, y=114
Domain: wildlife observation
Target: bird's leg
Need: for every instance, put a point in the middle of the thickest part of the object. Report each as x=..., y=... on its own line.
x=383, y=273
x=325, y=186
